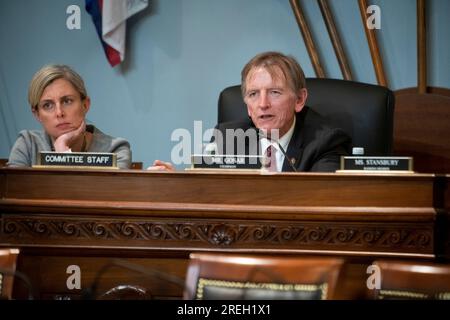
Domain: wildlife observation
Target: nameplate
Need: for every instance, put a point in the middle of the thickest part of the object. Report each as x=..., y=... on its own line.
x=77, y=159
x=226, y=162
x=382, y=164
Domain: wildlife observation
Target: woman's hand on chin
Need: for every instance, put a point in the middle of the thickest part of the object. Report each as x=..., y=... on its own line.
x=64, y=142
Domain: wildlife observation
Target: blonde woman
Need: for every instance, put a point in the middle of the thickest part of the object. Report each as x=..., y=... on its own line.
x=59, y=101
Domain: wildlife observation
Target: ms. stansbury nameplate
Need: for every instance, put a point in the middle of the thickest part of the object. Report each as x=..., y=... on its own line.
x=77, y=159
x=363, y=163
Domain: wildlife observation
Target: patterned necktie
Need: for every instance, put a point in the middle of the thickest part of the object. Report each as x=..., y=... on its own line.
x=271, y=160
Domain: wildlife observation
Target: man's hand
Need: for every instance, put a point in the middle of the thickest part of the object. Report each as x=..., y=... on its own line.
x=64, y=141
x=159, y=165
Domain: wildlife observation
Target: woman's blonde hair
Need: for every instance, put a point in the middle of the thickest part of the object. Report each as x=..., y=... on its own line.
x=49, y=73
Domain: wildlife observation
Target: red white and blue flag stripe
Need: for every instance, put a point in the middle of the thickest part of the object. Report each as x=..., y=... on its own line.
x=109, y=17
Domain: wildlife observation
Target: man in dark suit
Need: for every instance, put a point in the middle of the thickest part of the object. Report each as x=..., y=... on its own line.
x=273, y=87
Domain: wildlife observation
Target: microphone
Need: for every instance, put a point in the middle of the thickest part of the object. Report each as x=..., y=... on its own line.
x=289, y=160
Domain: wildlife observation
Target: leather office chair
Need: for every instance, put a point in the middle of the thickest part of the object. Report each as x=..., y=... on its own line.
x=412, y=280
x=3, y=162
x=8, y=259
x=244, y=277
x=363, y=111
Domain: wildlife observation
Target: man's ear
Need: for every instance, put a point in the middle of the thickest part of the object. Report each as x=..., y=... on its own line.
x=301, y=99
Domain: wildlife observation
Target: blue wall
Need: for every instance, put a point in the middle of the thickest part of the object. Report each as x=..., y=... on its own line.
x=181, y=53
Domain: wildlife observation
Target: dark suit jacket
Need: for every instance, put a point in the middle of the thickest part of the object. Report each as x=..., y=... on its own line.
x=315, y=145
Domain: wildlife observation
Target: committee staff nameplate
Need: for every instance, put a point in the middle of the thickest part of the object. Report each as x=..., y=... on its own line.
x=77, y=159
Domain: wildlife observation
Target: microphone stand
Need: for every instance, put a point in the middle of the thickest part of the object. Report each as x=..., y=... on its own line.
x=262, y=135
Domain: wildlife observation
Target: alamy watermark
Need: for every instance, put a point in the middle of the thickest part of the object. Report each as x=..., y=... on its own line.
x=74, y=280
x=374, y=20
x=213, y=141
x=374, y=280
x=73, y=21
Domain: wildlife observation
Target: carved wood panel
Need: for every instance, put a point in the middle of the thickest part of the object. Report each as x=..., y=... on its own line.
x=294, y=235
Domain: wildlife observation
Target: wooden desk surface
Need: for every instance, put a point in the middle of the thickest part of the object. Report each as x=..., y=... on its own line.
x=60, y=217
